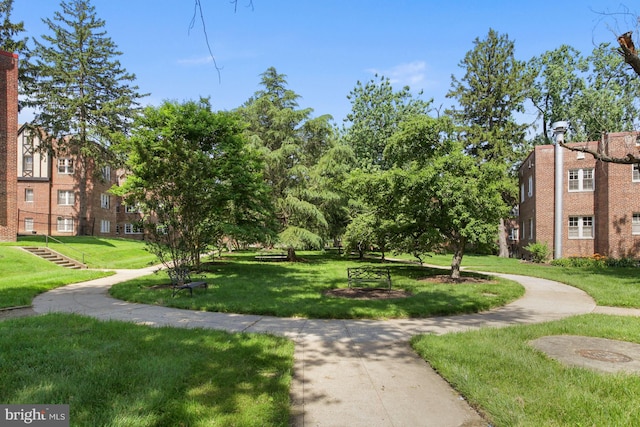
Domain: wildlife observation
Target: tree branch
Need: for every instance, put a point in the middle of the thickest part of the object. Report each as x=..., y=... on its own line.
x=629, y=159
x=628, y=51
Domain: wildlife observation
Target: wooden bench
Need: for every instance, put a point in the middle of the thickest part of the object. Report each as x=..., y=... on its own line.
x=367, y=275
x=181, y=279
x=271, y=257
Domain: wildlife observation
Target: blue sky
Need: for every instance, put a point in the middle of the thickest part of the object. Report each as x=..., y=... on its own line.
x=325, y=46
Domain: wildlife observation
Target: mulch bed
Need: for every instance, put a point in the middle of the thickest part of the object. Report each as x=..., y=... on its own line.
x=367, y=293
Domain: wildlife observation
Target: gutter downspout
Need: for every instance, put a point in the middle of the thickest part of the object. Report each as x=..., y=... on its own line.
x=559, y=129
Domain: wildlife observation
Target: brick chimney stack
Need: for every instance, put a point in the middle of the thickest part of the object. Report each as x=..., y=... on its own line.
x=8, y=146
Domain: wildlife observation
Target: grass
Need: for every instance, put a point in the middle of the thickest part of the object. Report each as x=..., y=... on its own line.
x=24, y=276
x=120, y=374
x=513, y=384
x=239, y=284
x=98, y=252
x=611, y=286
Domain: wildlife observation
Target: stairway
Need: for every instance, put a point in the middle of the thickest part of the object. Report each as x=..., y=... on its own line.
x=55, y=257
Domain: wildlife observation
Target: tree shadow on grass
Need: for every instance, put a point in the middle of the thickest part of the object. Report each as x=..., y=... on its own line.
x=111, y=372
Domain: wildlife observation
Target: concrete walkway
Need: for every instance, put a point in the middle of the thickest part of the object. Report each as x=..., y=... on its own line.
x=347, y=372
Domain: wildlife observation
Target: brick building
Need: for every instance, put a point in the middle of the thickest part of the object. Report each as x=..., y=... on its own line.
x=48, y=195
x=8, y=131
x=600, y=208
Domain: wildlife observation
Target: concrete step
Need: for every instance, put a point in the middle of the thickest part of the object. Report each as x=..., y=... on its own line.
x=54, y=257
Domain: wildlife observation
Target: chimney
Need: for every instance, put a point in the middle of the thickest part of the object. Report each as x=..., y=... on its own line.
x=559, y=129
x=8, y=146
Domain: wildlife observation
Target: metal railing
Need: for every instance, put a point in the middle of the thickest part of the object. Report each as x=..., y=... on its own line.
x=47, y=237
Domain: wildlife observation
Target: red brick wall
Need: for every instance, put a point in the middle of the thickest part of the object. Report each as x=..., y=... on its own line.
x=612, y=203
x=8, y=149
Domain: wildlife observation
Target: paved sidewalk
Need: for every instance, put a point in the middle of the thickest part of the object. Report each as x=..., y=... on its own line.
x=347, y=372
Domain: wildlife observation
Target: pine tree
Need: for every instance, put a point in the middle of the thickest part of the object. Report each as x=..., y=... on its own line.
x=9, y=30
x=80, y=92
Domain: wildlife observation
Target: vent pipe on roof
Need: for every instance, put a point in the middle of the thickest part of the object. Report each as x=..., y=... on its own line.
x=559, y=129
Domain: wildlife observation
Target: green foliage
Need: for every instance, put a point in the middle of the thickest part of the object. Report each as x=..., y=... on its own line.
x=80, y=92
x=376, y=113
x=10, y=30
x=492, y=90
x=539, y=251
x=291, y=143
x=196, y=179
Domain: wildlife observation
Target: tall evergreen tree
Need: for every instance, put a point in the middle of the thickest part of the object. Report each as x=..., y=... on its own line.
x=81, y=94
x=291, y=142
x=9, y=41
x=492, y=90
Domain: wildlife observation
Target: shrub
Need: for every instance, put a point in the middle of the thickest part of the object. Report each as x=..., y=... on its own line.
x=539, y=251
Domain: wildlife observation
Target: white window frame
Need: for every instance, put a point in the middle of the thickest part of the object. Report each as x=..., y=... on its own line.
x=64, y=224
x=530, y=228
x=584, y=180
x=514, y=234
x=28, y=195
x=106, y=173
x=104, y=201
x=131, y=209
x=105, y=226
x=132, y=229
x=29, y=224
x=67, y=197
x=530, y=193
x=65, y=166
x=635, y=172
x=521, y=193
x=581, y=227
x=635, y=223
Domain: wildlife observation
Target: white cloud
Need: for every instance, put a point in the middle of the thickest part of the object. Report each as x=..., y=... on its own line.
x=196, y=61
x=410, y=73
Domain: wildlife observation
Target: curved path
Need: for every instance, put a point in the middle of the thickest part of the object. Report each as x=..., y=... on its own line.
x=347, y=372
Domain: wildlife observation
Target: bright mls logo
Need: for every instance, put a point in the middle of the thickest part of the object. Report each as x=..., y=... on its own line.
x=34, y=415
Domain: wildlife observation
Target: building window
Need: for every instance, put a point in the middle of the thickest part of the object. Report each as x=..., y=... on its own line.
x=65, y=166
x=635, y=223
x=28, y=225
x=581, y=180
x=27, y=165
x=104, y=201
x=513, y=234
x=66, y=197
x=522, y=193
x=530, y=228
x=28, y=195
x=530, y=193
x=65, y=225
x=524, y=234
x=105, y=226
x=635, y=172
x=131, y=209
x=106, y=173
x=581, y=227
x=132, y=229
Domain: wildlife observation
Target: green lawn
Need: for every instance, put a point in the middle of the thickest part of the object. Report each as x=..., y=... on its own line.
x=499, y=373
x=24, y=276
x=612, y=286
x=120, y=374
x=97, y=252
x=238, y=284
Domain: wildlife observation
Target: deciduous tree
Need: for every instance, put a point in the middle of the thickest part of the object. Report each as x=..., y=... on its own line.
x=196, y=180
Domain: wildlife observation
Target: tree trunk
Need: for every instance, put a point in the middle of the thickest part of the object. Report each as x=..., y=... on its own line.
x=502, y=239
x=291, y=255
x=458, y=252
